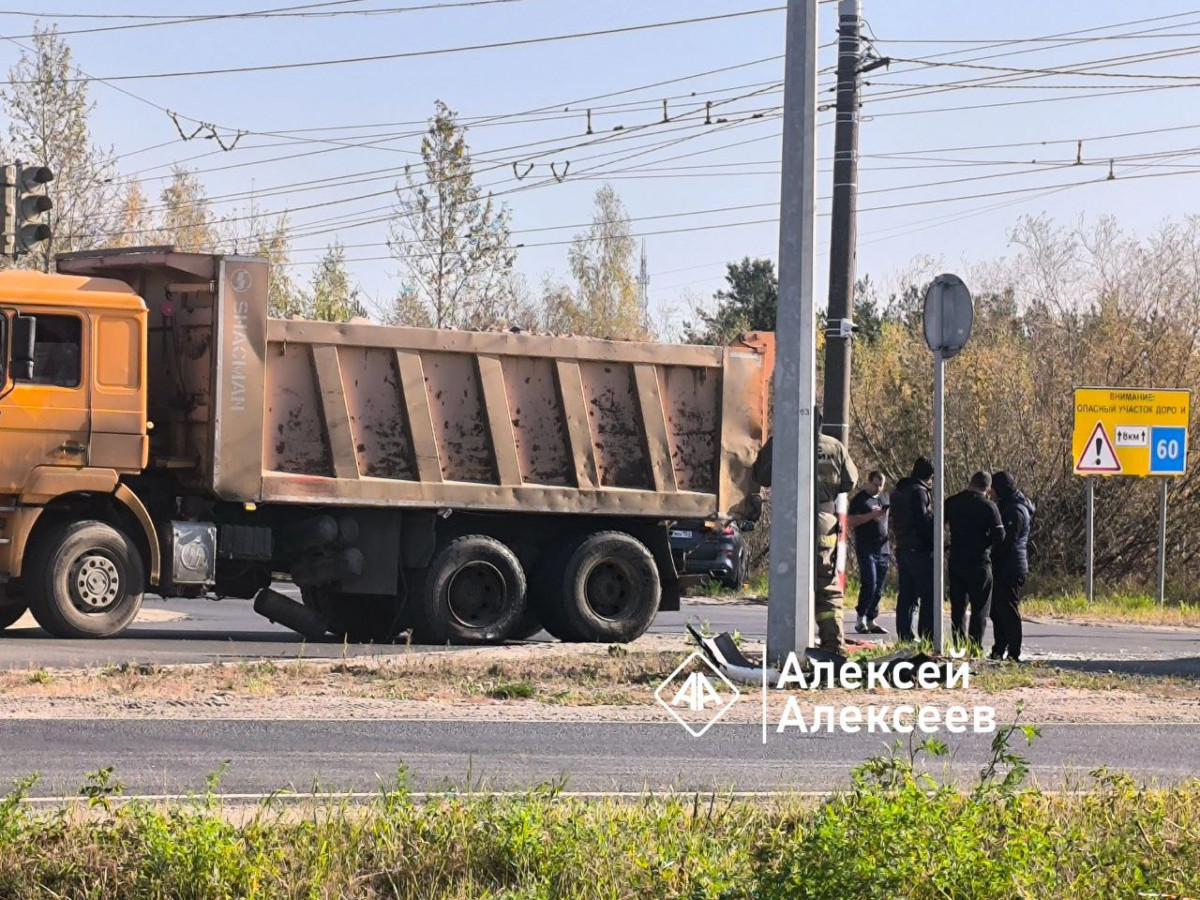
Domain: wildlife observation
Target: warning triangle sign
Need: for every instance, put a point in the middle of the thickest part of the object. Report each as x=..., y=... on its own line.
x=1098, y=454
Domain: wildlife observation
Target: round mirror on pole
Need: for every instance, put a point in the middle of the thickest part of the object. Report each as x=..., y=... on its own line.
x=949, y=315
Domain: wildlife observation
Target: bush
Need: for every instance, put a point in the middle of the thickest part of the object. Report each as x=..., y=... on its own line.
x=895, y=833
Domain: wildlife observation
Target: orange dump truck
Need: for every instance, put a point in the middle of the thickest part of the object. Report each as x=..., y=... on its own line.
x=158, y=432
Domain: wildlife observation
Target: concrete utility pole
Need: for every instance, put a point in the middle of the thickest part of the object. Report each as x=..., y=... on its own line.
x=790, y=609
x=844, y=225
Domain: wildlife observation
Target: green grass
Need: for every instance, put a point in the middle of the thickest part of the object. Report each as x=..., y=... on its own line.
x=1117, y=607
x=509, y=690
x=894, y=832
x=1053, y=598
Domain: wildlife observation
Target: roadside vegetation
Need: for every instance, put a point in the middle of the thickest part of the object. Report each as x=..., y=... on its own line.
x=616, y=677
x=1128, y=603
x=997, y=838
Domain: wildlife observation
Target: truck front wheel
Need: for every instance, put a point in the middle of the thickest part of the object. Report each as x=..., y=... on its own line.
x=473, y=592
x=602, y=587
x=84, y=579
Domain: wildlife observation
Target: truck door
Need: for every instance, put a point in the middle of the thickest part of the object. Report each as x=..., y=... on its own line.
x=45, y=421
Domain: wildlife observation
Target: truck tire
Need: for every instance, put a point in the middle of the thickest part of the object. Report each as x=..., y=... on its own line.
x=357, y=618
x=600, y=587
x=472, y=592
x=84, y=579
x=12, y=605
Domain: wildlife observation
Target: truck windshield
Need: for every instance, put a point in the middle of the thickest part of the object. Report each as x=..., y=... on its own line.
x=3, y=348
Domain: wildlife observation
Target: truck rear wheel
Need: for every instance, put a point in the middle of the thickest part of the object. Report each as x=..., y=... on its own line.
x=473, y=592
x=601, y=587
x=84, y=579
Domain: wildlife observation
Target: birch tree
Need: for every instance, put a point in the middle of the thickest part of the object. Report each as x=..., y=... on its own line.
x=49, y=106
x=607, y=300
x=452, y=242
x=186, y=219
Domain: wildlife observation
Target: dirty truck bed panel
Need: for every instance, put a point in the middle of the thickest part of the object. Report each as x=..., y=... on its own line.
x=295, y=411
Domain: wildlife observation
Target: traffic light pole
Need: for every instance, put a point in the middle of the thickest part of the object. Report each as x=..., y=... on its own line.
x=790, y=607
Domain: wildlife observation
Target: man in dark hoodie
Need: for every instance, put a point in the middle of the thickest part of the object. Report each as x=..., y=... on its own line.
x=911, y=516
x=1010, y=562
x=975, y=528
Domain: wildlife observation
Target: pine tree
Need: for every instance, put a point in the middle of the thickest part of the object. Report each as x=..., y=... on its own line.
x=452, y=242
x=748, y=303
x=607, y=301
x=332, y=298
x=48, y=107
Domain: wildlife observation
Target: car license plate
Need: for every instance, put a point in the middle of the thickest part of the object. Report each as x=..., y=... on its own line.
x=685, y=535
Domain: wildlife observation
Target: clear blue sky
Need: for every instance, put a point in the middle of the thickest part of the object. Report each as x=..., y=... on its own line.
x=552, y=75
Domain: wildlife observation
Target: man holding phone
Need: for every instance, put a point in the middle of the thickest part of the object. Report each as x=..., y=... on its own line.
x=869, y=519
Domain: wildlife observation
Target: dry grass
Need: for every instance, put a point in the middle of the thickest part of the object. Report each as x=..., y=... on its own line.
x=530, y=677
x=612, y=677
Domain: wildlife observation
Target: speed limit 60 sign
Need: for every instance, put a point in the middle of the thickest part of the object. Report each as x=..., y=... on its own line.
x=1121, y=431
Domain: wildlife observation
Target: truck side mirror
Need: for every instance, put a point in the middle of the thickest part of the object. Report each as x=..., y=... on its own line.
x=24, y=335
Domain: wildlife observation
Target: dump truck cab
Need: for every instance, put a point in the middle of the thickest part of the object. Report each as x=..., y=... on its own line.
x=72, y=413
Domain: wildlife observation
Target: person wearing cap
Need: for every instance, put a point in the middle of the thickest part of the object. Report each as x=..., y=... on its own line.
x=1010, y=563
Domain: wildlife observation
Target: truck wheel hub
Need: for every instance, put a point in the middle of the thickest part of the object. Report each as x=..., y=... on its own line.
x=611, y=589
x=476, y=594
x=97, y=583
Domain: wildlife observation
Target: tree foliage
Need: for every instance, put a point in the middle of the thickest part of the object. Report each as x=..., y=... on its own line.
x=1085, y=305
x=186, y=219
x=452, y=242
x=332, y=296
x=606, y=301
x=747, y=303
x=135, y=221
x=48, y=107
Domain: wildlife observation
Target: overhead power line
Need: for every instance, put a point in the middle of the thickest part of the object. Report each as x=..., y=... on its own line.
x=305, y=11
x=41, y=14
x=440, y=51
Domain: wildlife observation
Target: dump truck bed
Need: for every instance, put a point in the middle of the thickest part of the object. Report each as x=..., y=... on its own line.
x=296, y=411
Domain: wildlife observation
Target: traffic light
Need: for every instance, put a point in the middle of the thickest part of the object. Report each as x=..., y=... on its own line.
x=8, y=211
x=32, y=203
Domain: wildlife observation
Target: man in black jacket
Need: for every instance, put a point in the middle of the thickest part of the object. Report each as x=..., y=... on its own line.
x=974, y=524
x=1011, y=559
x=911, y=514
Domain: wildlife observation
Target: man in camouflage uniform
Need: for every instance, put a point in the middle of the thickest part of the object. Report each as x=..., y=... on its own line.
x=836, y=474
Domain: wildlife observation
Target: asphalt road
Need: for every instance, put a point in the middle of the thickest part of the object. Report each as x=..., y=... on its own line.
x=172, y=757
x=231, y=630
